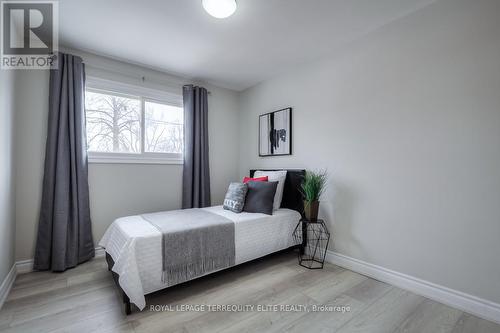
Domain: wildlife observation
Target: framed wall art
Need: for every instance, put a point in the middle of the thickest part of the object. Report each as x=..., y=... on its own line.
x=275, y=133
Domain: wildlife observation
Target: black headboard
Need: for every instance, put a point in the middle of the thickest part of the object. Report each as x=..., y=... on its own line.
x=292, y=198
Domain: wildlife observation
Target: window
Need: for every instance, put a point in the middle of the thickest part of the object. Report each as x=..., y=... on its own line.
x=123, y=128
x=113, y=123
x=164, y=128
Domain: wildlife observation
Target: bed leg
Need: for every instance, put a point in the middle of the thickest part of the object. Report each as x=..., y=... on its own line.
x=127, y=305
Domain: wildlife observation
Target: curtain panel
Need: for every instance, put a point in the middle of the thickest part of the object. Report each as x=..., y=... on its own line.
x=64, y=231
x=196, y=171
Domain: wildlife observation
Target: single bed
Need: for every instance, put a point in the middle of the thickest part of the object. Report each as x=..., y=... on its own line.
x=133, y=245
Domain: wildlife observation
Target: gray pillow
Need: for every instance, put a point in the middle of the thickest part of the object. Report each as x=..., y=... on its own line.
x=235, y=197
x=260, y=197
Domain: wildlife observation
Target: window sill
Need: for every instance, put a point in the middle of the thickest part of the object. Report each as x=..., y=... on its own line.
x=132, y=160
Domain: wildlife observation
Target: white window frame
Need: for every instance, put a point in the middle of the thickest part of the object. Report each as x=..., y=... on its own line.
x=143, y=94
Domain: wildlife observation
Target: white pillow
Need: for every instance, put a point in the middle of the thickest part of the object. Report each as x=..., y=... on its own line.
x=274, y=176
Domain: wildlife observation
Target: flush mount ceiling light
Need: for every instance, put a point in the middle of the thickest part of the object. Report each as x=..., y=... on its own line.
x=219, y=8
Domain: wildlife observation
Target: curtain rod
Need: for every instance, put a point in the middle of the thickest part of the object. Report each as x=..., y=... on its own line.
x=142, y=78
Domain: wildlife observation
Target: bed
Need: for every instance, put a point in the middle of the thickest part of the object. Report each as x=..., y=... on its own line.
x=133, y=245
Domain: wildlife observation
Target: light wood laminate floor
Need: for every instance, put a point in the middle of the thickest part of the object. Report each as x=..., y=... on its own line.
x=85, y=299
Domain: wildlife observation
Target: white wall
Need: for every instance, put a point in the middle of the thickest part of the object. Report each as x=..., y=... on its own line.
x=7, y=228
x=115, y=189
x=30, y=135
x=407, y=121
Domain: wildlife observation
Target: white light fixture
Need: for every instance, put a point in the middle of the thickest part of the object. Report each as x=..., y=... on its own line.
x=219, y=8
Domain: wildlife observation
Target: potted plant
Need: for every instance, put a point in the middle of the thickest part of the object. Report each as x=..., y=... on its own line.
x=312, y=187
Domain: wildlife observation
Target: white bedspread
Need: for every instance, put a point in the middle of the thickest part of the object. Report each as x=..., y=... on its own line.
x=135, y=246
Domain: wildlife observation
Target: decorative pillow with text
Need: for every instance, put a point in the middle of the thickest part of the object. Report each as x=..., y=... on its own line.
x=235, y=197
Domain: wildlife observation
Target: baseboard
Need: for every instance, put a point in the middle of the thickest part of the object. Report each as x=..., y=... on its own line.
x=99, y=252
x=26, y=266
x=7, y=285
x=474, y=305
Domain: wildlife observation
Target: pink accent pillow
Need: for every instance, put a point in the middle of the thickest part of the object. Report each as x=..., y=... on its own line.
x=258, y=179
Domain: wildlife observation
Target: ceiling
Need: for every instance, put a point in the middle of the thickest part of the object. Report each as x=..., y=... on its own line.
x=262, y=39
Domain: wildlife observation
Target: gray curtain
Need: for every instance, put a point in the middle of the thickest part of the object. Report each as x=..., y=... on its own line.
x=196, y=172
x=64, y=230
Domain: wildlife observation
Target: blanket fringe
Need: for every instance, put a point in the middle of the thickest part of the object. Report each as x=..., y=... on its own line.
x=185, y=272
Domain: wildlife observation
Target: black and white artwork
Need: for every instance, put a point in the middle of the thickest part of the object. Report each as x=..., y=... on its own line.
x=275, y=133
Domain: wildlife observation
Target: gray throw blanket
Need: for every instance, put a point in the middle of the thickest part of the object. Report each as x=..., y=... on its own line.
x=194, y=242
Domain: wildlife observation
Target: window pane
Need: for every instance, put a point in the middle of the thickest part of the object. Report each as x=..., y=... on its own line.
x=113, y=123
x=164, y=128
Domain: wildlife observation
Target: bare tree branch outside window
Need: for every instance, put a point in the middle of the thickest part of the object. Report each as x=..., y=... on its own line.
x=114, y=125
x=164, y=128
